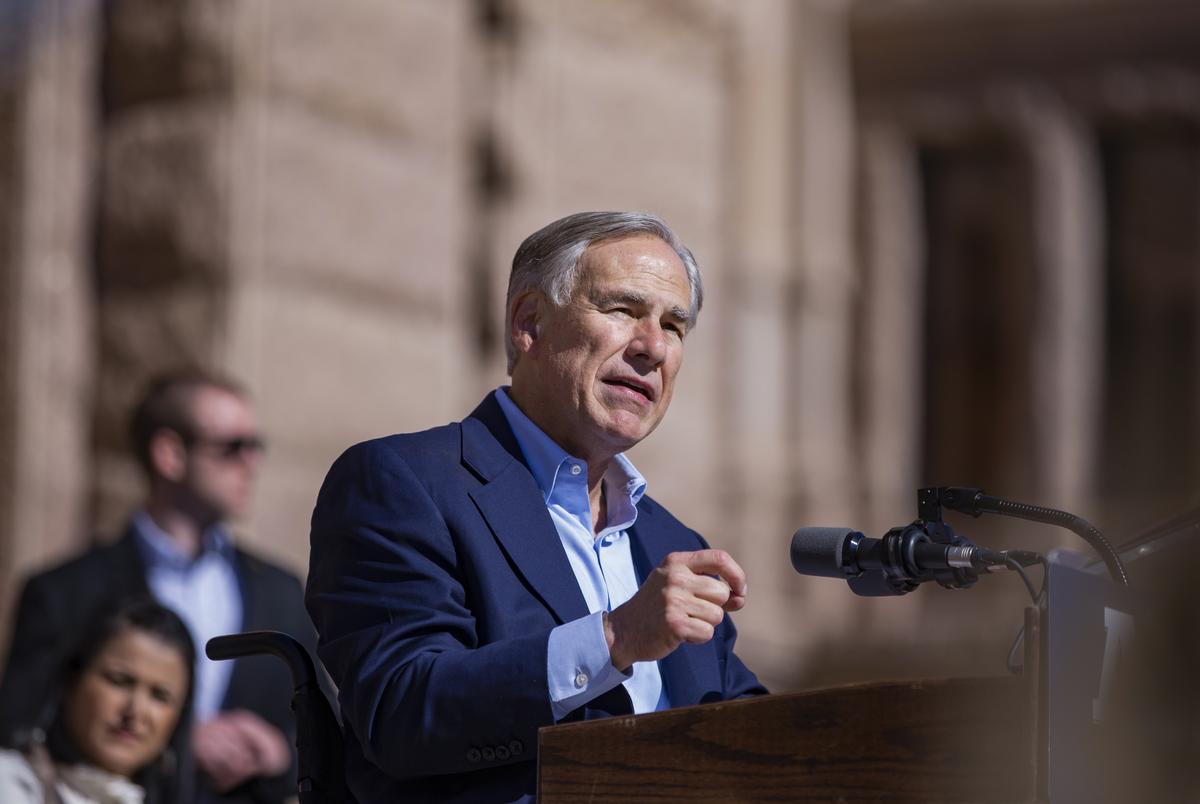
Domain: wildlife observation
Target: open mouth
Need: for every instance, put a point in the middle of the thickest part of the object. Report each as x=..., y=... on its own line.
x=640, y=388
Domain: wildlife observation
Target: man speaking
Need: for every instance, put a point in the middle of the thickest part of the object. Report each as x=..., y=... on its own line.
x=477, y=581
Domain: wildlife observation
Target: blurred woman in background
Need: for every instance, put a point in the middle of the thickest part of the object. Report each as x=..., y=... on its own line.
x=118, y=729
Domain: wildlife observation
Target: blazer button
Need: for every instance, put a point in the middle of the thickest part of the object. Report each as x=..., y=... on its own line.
x=501, y=753
x=489, y=753
x=515, y=747
x=473, y=755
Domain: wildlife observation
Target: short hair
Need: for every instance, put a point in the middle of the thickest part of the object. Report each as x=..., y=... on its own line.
x=548, y=260
x=166, y=405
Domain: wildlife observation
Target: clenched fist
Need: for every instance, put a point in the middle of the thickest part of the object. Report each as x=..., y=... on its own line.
x=684, y=600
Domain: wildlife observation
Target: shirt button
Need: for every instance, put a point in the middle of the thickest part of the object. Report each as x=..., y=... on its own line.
x=473, y=755
x=515, y=747
x=576, y=469
x=501, y=752
x=581, y=680
x=489, y=753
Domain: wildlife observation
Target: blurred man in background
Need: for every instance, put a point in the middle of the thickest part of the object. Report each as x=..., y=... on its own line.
x=197, y=439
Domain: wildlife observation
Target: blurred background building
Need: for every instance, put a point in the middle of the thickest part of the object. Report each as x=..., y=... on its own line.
x=944, y=242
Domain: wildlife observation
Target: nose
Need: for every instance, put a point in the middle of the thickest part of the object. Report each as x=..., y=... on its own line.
x=138, y=705
x=131, y=707
x=649, y=343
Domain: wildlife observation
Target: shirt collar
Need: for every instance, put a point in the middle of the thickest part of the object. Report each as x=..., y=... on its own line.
x=546, y=458
x=158, y=548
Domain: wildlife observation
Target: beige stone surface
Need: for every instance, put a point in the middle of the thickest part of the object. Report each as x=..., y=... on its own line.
x=45, y=313
x=392, y=70
x=324, y=380
x=325, y=201
x=164, y=205
x=357, y=212
x=159, y=52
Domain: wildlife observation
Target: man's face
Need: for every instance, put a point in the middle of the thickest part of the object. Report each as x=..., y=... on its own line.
x=223, y=453
x=601, y=370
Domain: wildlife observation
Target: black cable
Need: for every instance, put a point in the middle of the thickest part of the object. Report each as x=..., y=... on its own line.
x=1013, y=667
x=1012, y=564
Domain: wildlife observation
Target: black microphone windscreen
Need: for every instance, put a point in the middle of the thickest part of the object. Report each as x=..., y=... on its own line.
x=818, y=551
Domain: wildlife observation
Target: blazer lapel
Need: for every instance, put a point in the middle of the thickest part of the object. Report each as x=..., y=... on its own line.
x=512, y=504
x=127, y=569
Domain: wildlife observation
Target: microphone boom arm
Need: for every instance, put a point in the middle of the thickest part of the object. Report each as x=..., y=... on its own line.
x=974, y=502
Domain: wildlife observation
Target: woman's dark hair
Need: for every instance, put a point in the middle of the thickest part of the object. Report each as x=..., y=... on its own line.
x=169, y=778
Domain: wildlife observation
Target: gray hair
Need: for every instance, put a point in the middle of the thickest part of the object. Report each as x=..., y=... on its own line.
x=549, y=258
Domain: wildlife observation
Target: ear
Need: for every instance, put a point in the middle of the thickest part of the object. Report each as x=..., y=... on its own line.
x=168, y=455
x=524, y=320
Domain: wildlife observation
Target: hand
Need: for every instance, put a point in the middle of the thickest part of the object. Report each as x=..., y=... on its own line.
x=680, y=602
x=238, y=745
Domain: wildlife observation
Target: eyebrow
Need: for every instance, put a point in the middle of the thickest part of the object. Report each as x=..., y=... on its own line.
x=636, y=299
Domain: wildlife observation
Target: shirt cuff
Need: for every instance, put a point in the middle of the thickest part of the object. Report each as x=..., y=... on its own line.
x=578, y=665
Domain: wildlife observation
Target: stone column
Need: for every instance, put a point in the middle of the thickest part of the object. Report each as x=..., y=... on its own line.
x=284, y=198
x=893, y=325
x=757, y=490
x=820, y=344
x=1069, y=342
x=47, y=127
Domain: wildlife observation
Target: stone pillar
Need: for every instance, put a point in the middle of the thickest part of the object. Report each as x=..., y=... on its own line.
x=827, y=273
x=285, y=199
x=893, y=326
x=1068, y=344
x=46, y=165
x=819, y=346
x=759, y=288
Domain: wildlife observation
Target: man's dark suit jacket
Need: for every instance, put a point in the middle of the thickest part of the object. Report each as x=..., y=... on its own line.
x=56, y=603
x=436, y=576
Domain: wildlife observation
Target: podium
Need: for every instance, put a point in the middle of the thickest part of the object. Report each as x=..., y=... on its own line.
x=960, y=740
x=1094, y=716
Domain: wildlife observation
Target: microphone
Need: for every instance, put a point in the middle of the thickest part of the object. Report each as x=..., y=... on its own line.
x=897, y=563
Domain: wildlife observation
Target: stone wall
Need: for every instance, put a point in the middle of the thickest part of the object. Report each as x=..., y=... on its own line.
x=324, y=202
x=47, y=355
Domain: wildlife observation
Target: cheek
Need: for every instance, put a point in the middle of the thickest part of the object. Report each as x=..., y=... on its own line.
x=164, y=716
x=87, y=710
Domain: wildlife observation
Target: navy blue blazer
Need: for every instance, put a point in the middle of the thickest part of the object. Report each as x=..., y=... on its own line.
x=436, y=576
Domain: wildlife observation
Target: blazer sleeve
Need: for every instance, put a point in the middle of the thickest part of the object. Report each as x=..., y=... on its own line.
x=738, y=680
x=396, y=632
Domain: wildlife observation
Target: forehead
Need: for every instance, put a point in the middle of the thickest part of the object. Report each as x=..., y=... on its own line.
x=643, y=260
x=145, y=654
x=212, y=407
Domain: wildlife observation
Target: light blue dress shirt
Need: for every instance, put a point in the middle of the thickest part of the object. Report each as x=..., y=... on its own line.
x=203, y=591
x=579, y=667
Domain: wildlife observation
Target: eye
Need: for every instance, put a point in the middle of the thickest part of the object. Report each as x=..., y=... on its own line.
x=622, y=311
x=162, y=695
x=117, y=678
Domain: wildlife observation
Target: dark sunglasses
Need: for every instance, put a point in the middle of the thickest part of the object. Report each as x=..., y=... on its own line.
x=230, y=448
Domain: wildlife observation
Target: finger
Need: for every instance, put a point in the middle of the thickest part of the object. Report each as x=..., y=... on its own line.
x=706, y=612
x=697, y=631
x=713, y=590
x=717, y=562
x=735, y=603
x=269, y=747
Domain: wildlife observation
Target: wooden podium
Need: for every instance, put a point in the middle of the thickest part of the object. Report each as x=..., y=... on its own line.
x=960, y=740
